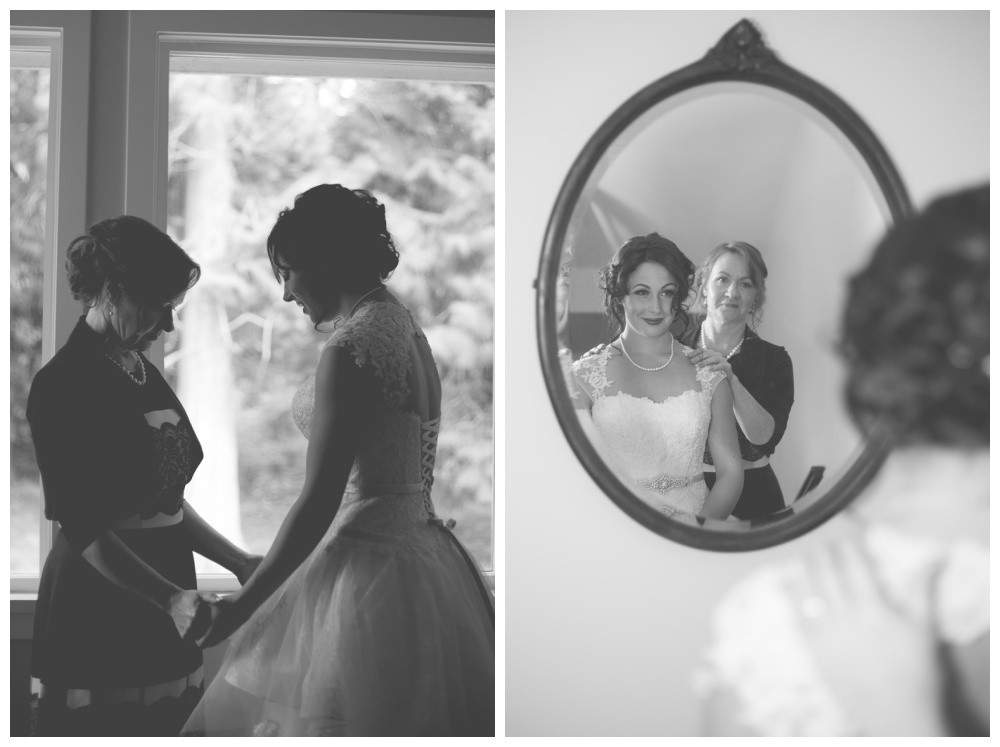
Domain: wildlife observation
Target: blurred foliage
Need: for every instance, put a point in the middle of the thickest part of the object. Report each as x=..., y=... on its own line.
x=29, y=103
x=426, y=150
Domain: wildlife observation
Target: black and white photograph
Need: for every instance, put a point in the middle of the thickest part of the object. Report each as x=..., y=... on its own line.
x=747, y=356
x=496, y=372
x=252, y=327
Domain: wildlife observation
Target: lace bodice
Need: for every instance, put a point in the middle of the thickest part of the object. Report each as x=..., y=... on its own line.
x=657, y=447
x=397, y=454
x=759, y=654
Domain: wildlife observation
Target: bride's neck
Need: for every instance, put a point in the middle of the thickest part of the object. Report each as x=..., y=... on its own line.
x=640, y=344
x=350, y=301
x=936, y=491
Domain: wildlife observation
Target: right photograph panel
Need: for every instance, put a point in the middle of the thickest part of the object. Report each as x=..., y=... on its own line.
x=747, y=344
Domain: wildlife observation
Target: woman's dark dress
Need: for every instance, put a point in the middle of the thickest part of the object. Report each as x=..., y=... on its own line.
x=765, y=370
x=108, y=450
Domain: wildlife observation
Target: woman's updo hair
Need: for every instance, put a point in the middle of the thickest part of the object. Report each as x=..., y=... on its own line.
x=915, y=330
x=339, y=234
x=755, y=265
x=132, y=255
x=636, y=250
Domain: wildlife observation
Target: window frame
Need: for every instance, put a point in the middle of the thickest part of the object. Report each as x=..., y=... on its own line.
x=438, y=46
x=65, y=37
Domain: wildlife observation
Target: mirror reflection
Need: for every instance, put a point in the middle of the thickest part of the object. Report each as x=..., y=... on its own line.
x=699, y=292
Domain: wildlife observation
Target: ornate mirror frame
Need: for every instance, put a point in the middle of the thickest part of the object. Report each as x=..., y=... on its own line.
x=740, y=56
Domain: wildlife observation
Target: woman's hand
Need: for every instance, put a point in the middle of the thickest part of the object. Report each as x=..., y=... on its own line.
x=245, y=570
x=710, y=359
x=190, y=612
x=227, y=615
x=881, y=664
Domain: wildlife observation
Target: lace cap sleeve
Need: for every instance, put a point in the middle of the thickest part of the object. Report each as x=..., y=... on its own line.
x=376, y=336
x=759, y=654
x=589, y=374
x=709, y=380
x=963, y=593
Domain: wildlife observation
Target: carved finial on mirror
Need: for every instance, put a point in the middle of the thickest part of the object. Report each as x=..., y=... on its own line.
x=742, y=48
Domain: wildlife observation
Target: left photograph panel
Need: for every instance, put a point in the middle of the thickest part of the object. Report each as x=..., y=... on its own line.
x=252, y=354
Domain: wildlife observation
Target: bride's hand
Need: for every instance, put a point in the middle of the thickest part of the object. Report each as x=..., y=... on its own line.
x=227, y=615
x=710, y=359
x=881, y=664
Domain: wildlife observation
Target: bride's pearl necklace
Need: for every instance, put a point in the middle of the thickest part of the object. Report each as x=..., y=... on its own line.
x=643, y=368
x=731, y=352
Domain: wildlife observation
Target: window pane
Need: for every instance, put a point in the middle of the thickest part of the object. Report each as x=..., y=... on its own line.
x=241, y=148
x=29, y=120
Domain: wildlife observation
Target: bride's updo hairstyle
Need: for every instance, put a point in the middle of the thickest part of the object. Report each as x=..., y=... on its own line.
x=916, y=327
x=337, y=235
x=636, y=250
x=128, y=254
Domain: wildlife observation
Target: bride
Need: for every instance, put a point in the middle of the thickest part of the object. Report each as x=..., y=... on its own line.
x=366, y=617
x=885, y=631
x=648, y=411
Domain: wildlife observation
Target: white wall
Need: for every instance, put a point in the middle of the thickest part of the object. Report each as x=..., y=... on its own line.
x=604, y=619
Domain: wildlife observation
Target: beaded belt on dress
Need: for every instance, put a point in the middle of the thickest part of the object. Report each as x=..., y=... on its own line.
x=664, y=482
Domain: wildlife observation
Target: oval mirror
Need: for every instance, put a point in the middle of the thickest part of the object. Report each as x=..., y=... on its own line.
x=735, y=147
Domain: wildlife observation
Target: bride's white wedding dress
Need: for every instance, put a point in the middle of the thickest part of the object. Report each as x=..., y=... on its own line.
x=758, y=653
x=656, y=448
x=387, y=627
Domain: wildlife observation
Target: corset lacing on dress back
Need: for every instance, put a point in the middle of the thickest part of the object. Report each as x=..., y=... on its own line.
x=429, y=430
x=388, y=462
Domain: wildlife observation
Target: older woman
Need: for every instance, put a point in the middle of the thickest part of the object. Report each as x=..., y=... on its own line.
x=730, y=288
x=113, y=650
x=647, y=409
x=886, y=632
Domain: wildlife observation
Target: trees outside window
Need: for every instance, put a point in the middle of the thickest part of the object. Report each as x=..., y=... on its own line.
x=29, y=125
x=240, y=148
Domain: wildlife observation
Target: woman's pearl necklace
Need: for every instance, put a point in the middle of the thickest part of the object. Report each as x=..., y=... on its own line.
x=140, y=379
x=643, y=368
x=731, y=352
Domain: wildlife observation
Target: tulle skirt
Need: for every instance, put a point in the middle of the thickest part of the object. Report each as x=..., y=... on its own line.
x=386, y=629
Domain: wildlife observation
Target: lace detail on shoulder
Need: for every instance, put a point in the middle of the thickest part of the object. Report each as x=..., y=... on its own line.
x=709, y=380
x=964, y=594
x=590, y=372
x=376, y=336
x=758, y=650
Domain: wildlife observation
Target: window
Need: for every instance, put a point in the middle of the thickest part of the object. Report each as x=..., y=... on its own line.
x=240, y=148
x=29, y=145
x=343, y=66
